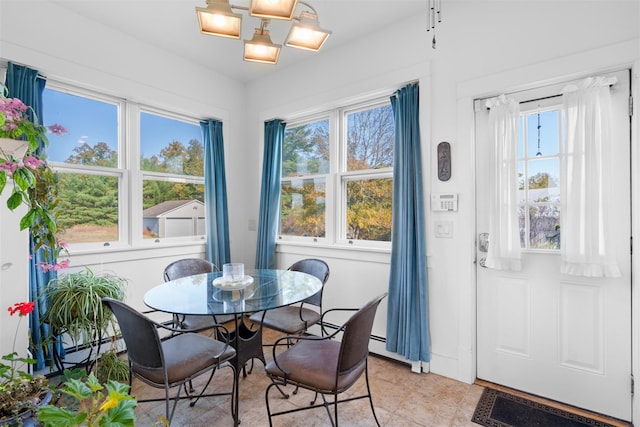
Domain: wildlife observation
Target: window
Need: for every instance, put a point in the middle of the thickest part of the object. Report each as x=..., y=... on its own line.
x=172, y=165
x=94, y=159
x=86, y=157
x=337, y=176
x=539, y=178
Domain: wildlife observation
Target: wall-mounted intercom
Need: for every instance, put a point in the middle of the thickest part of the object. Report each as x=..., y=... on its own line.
x=444, y=202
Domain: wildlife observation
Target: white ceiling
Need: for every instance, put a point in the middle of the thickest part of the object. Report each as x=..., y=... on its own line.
x=172, y=25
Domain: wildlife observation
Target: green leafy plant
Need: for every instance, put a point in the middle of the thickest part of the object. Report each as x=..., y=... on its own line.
x=74, y=307
x=110, y=367
x=74, y=303
x=97, y=405
x=35, y=184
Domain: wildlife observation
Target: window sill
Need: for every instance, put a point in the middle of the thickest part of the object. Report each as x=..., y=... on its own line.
x=335, y=250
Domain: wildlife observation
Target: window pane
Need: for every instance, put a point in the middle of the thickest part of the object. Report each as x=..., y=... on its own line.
x=544, y=180
x=544, y=226
x=369, y=205
x=544, y=142
x=169, y=145
x=91, y=126
x=370, y=137
x=172, y=209
x=302, y=207
x=305, y=150
x=88, y=208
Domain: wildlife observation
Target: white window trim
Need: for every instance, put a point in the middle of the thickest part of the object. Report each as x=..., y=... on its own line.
x=335, y=210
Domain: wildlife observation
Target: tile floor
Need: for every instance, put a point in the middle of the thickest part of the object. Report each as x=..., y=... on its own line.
x=401, y=398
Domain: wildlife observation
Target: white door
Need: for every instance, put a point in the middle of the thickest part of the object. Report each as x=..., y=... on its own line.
x=566, y=338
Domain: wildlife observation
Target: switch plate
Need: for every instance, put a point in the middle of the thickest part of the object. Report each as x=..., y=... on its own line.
x=444, y=229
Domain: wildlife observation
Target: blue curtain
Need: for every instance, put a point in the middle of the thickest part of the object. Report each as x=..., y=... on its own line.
x=407, y=328
x=270, y=194
x=25, y=83
x=215, y=193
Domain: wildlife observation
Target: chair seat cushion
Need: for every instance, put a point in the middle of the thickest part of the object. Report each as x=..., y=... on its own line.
x=186, y=355
x=287, y=319
x=200, y=322
x=312, y=364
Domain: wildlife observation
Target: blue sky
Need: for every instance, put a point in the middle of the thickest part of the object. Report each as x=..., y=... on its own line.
x=92, y=121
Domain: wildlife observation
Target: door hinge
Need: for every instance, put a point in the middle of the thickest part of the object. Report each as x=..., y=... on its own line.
x=631, y=244
x=633, y=389
x=630, y=105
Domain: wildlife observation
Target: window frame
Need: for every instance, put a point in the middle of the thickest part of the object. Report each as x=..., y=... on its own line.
x=339, y=176
x=527, y=108
x=129, y=173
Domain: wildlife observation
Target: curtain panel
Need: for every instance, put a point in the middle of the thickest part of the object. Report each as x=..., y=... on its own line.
x=504, y=230
x=586, y=168
x=215, y=193
x=407, y=314
x=27, y=85
x=270, y=194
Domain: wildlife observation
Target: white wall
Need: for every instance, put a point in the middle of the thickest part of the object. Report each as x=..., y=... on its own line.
x=476, y=40
x=483, y=48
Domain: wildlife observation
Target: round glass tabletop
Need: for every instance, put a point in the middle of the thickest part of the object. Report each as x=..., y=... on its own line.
x=199, y=295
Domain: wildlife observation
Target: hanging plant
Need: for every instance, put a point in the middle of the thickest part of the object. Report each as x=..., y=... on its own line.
x=35, y=184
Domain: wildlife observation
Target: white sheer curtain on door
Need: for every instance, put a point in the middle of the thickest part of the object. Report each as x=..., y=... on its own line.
x=586, y=169
x=504, y=229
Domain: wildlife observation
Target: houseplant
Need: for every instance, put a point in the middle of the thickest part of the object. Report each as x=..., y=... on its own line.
x=20, y=392
x=35, y=184
x=95, y=405
x=74, y=305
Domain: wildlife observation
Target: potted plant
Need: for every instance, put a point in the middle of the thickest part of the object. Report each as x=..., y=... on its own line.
x=34, y=183
x=74, y=306
x=93, y=404
x=21, y=394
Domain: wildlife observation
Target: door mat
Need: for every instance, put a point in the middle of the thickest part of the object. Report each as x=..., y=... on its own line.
x=499, y=409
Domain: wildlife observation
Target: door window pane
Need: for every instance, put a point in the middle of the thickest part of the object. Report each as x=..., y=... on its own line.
x=539, y=193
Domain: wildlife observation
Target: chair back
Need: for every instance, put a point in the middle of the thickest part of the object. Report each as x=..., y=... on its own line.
x=188, y=267
x=139, y=334
x=354, y=348
x=314, y=267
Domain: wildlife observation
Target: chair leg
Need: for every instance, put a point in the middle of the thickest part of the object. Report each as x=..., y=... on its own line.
x=366, y=377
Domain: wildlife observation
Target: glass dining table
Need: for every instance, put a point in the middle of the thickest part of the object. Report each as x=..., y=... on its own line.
x=210, y=295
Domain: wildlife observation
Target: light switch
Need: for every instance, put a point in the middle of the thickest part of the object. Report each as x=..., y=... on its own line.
x=444, y=229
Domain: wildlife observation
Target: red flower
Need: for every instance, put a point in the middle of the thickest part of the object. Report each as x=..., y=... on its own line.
x=23, y=308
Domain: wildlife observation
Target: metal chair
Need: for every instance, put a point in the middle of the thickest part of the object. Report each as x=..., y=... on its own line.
x=325, y=366
x=173, y=362
x=189, y=267
x=297, y=318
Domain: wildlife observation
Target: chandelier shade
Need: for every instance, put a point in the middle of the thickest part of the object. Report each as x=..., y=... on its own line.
x=306, y=33
x=274, y=9
x=219, y=19
x=260, y=48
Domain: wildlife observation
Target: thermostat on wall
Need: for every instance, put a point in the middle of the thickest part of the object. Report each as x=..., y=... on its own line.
x=444, y=202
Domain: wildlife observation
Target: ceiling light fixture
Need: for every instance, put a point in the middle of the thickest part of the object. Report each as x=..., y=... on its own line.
x=219, y=19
